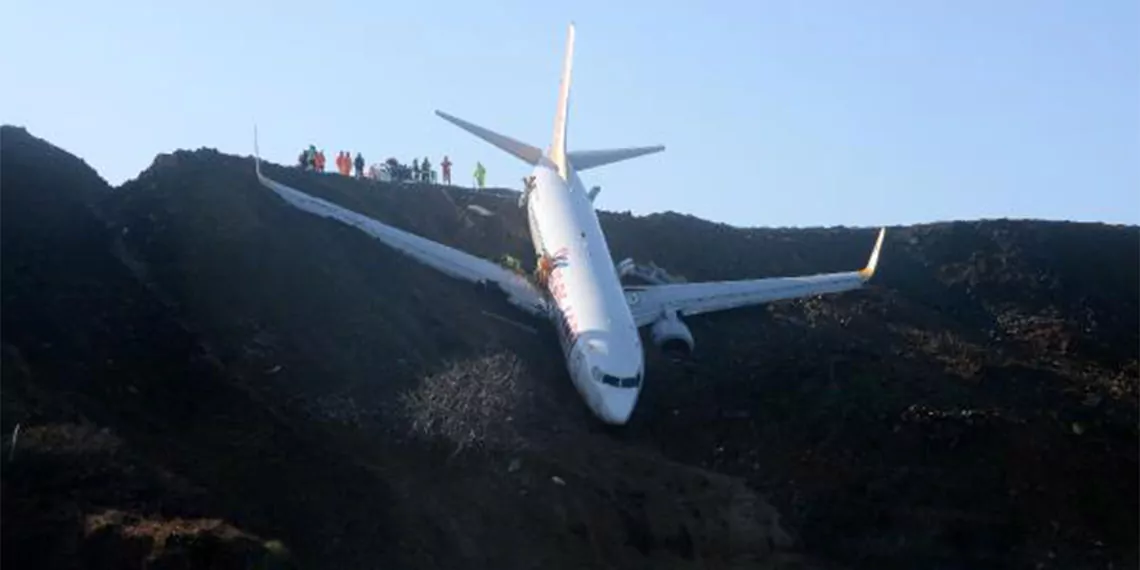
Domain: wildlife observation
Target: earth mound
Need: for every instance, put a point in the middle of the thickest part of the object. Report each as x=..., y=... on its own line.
x=196, y=373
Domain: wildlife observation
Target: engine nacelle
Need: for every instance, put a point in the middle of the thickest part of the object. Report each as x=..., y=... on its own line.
x=672, y=336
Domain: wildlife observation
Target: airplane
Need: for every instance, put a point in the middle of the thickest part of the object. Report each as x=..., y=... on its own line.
x=597, y=319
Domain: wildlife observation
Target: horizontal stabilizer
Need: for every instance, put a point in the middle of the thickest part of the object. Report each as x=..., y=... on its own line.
x=520, y=150
x=587, y=159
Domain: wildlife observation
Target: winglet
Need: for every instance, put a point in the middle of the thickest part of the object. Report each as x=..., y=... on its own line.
x=256, y=153
x=869, y=270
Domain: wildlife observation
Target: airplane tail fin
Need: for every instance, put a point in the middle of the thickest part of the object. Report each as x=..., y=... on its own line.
x=558, y=153
x=587, y=159
x=581, y=159
x=562, y=115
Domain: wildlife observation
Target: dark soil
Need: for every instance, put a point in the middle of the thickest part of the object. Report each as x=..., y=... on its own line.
x=205, y=377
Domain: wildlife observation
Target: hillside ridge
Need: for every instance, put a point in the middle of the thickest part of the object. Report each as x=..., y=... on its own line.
x=239, y=380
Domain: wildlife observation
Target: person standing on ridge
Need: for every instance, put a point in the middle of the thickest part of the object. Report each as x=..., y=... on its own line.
x=425, y=170
x=320, y=160
x=359, y=164
x=415, y=170
x=480, y=174
x=340, y=162
x=446, y=165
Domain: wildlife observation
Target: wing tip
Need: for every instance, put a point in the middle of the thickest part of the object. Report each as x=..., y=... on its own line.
x=256, y=152
x=873, y=262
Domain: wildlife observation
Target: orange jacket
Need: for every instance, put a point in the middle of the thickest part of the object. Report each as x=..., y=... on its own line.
x=542, y=272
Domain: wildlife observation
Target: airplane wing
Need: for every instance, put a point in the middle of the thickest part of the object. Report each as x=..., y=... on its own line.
x=648, y=303
x=450, y=261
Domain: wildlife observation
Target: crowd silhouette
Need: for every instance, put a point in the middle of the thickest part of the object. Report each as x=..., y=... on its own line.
x=312, y=159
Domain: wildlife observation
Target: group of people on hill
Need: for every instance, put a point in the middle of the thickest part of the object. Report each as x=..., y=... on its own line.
x=313, y=159
x=345, y=164
x=422, y=171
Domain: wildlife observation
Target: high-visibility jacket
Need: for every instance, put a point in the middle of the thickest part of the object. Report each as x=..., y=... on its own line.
x=542, y=272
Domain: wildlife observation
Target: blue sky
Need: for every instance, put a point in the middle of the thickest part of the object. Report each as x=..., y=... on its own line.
x=773, y=113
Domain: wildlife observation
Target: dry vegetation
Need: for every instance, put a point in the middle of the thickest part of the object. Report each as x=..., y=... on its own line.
x=471, y=402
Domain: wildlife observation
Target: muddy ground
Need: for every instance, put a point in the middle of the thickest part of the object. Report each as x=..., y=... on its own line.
x=205, y=377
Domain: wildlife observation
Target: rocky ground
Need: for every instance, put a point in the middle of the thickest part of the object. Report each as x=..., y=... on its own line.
x=202, y=376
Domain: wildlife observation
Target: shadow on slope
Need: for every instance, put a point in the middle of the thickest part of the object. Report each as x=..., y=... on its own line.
x=912, y=423
x=982, y=351
x=975, y=407
x=117, y=403
x=230, y=371
x=408, y=340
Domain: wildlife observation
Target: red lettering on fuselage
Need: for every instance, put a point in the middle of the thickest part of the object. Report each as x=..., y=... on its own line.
x=557, y=288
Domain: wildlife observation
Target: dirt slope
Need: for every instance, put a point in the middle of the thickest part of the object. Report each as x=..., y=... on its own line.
x=230, y=394
x=225, y=364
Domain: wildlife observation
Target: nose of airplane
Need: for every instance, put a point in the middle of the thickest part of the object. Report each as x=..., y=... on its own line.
x=617, y=405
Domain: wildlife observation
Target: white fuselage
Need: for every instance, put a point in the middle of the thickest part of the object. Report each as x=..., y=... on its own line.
x=595, y=328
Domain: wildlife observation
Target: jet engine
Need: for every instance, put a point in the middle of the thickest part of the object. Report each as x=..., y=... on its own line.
x=672, y=336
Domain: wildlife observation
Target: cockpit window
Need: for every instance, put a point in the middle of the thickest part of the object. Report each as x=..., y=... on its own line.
x=616, y=382
x=610, y=380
